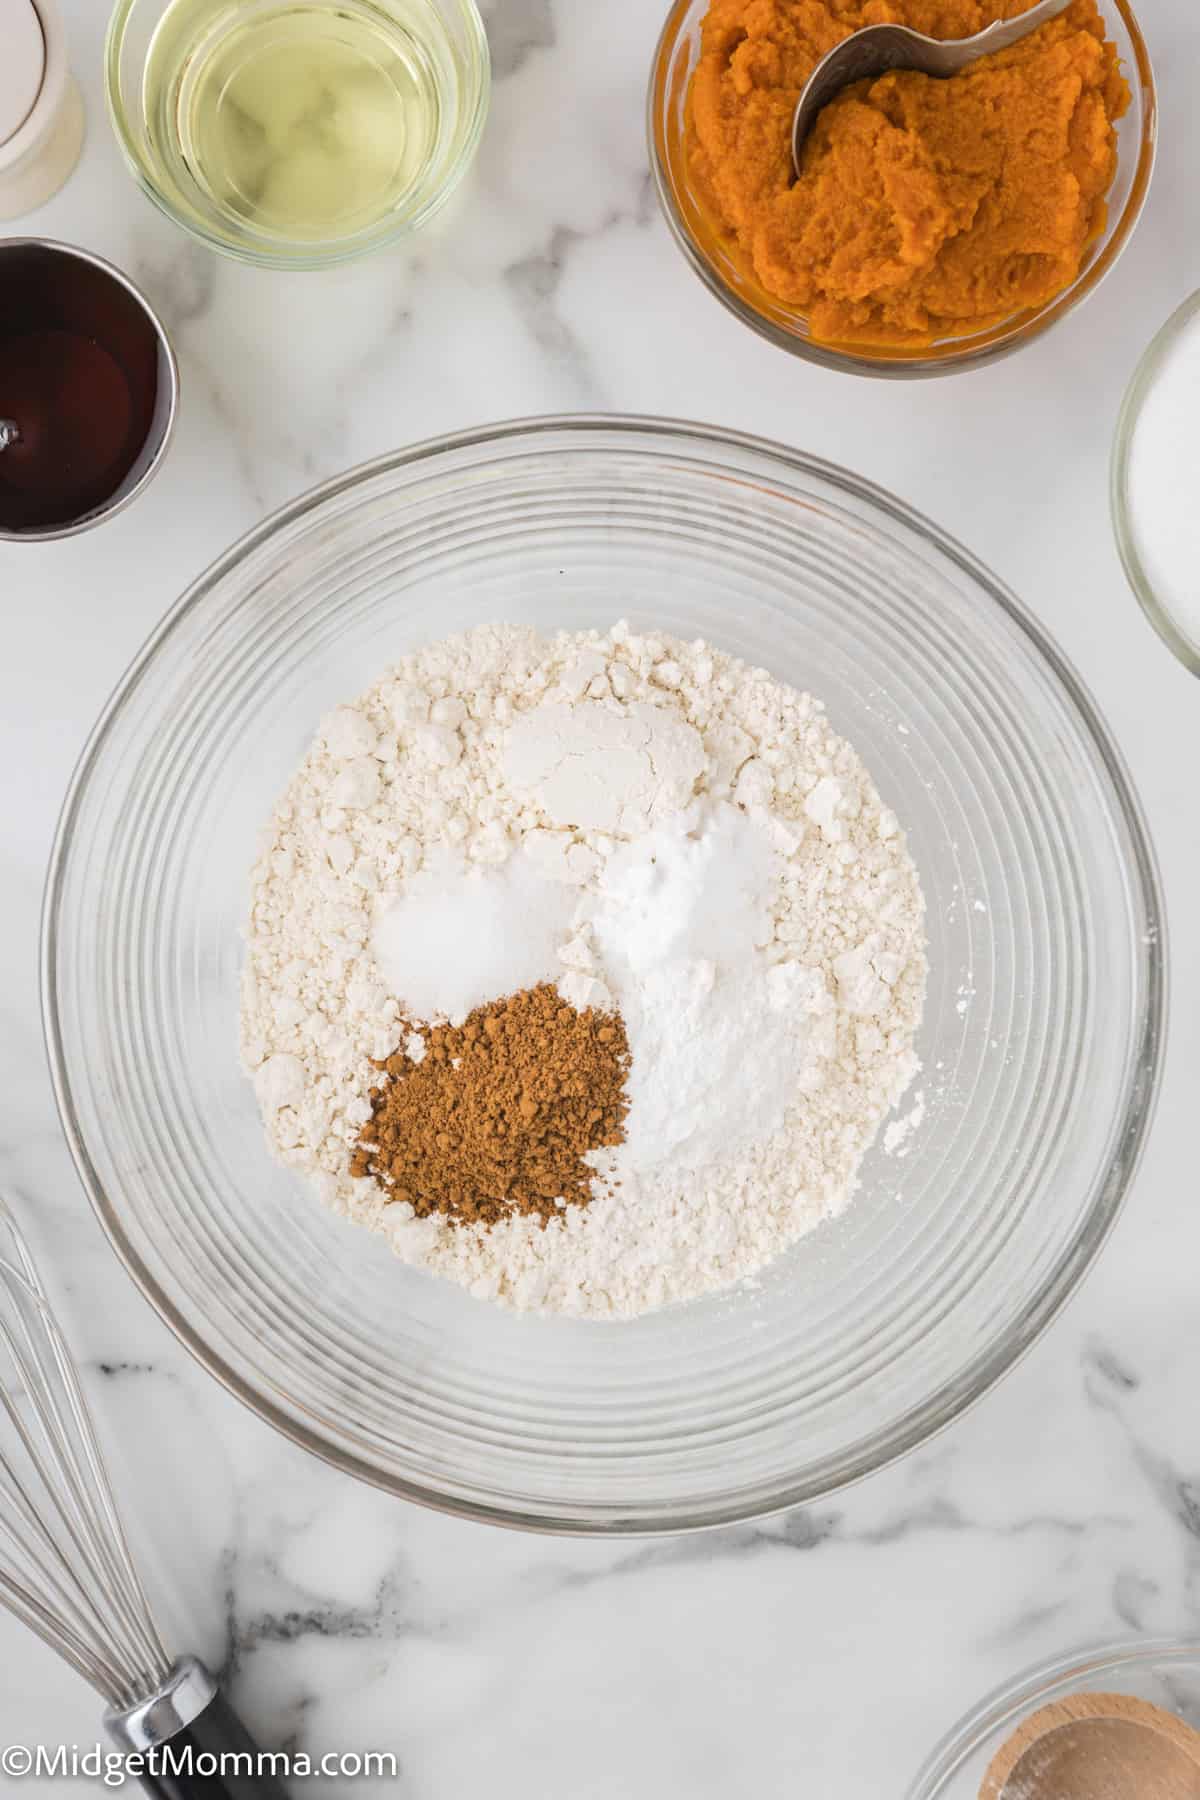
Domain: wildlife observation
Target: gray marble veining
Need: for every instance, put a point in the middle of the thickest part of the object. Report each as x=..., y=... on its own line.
x=823, y=1652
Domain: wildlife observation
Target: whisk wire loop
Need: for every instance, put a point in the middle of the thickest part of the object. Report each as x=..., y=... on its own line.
x=76, y=1454
x=56, y=1526
x=98, y=1671
x=65, y=1566
x=38, y=1556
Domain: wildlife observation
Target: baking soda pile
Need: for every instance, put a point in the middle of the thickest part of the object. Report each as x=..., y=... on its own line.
x=663, y=832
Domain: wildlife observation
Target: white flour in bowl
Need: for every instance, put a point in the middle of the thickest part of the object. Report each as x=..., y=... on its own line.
x=711, y=859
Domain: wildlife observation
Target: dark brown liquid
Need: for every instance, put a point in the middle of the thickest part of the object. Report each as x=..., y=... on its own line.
x=80, y=369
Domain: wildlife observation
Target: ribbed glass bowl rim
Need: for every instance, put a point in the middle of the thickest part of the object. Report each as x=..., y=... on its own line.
x=676, y=437
x=1150, y=363
x=298, y=257
x=946, y=360
x=1013, y=1699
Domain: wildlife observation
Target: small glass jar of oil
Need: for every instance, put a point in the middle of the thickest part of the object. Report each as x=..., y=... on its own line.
x=298, y=133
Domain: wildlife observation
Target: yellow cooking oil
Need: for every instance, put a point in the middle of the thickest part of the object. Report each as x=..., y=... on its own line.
x=301, y=120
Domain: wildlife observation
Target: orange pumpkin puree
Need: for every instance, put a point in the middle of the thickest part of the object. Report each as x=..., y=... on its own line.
x=923, y=208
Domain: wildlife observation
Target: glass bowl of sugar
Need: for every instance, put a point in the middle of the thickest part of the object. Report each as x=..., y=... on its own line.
x=1155, y=479
x=1040, y=1039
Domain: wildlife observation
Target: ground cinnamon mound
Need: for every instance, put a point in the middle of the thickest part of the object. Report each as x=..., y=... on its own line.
x=497, y=1116
x=923, y=208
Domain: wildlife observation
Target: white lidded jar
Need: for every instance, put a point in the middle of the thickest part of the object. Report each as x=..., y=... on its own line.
x=41, y=113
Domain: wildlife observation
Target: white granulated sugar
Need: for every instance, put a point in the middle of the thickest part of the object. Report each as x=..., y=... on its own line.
x=459, y=936
x=727, y=876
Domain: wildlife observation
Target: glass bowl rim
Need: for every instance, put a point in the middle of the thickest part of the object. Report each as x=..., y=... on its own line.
x=920, y=363
x=1015, y=1697
x=956, y=1396
x=298, y=257
x=1149, y=364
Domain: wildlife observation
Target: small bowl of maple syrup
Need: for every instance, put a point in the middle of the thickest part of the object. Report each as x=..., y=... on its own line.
x=89, y=388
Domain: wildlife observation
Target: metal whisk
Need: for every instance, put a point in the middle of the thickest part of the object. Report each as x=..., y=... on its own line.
x=66, y=1570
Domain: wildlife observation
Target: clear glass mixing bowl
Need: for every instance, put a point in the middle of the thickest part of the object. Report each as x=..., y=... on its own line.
x=1041, y=1038
x=1164, y=1671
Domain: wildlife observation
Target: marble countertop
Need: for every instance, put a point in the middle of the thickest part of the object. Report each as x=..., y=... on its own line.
x=821, y=1653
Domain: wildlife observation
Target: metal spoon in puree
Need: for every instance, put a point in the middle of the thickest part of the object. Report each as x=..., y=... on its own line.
x=878, y=49
x=1103, y=1759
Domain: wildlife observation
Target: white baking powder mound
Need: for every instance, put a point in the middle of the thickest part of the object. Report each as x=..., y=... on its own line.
x=458, y=936
x=720, y=1021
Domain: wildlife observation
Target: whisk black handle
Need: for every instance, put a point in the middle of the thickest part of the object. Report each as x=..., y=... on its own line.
x=193, y=1745
x=216, y=1741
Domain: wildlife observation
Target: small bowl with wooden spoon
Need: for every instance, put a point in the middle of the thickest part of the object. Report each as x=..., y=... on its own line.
x=1118, y=1723
x=720, y=258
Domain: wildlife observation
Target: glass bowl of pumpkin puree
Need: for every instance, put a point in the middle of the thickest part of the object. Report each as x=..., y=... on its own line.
x=933, y=225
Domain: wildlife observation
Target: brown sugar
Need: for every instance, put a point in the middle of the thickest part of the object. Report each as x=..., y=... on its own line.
x=499, y=1113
